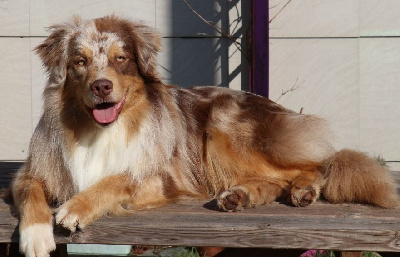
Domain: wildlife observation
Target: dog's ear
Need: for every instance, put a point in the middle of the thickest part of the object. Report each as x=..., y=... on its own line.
x=52, y=52
x=147, y=45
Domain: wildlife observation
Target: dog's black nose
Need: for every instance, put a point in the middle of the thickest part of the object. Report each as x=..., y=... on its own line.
x=102, y=87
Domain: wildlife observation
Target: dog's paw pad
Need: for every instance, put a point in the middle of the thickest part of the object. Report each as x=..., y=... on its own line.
x=304, y=196
x=234, y=199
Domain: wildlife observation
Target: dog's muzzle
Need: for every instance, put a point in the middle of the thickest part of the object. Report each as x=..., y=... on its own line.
x=106, y=112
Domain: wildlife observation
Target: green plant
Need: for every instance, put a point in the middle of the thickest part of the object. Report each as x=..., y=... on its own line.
x=371, y=254
x=186, y=252
x=381, y=161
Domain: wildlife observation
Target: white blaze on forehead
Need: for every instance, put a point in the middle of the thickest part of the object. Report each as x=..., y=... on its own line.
x=97, y=42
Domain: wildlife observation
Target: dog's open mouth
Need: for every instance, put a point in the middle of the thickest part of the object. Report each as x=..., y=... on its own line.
x=107, y=113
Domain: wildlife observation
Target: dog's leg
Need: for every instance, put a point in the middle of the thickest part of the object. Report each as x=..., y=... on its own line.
x=113, y=195
x=249, y=194
x=35, y=227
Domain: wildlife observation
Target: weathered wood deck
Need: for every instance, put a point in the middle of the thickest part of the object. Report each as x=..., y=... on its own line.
x=346, y=227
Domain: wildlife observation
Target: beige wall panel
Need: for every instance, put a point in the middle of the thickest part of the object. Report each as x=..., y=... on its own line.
x=320, y=76
x=380, y=18
x=38, y=82
x=237, y=76
x=14, y=18
x=394, y=166
x=192, y=61
x=48, y=12
x=15, y=98
x=314, y=18
x=239, y=17
x=174, y=18
x=380, y=97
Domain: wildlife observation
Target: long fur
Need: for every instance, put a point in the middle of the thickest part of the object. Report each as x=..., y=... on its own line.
x=355, y=177
x=113, y=138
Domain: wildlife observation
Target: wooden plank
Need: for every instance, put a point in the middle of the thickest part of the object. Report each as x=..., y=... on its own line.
x=347, y=227
x=4, y=249
x=7, y=171
x=320, y=226
x=314, y=18
x=44, y=13
x=379, y=97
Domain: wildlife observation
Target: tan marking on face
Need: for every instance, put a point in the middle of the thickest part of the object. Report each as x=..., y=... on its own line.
x=101, y=55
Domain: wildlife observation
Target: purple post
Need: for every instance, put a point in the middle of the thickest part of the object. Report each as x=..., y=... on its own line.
x=259, y=43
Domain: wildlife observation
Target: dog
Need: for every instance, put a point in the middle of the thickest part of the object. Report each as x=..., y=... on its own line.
x=113, y=138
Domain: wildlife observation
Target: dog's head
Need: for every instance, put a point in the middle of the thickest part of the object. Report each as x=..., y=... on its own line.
x=101, y=63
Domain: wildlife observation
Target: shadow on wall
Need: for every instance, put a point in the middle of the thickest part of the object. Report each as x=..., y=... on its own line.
x=197, y=54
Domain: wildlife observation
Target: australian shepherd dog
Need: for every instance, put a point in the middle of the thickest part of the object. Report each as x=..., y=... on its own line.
x=114, y=138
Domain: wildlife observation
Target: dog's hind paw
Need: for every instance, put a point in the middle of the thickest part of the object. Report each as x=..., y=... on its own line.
x=303, y=197
x=233, y=199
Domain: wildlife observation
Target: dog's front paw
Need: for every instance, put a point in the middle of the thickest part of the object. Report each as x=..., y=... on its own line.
x=73, y=214
x=37, y=240
x=233, y=199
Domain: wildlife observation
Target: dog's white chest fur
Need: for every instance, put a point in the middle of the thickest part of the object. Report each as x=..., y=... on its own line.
x=108, y=152
x=98, y=155
x=111, y=151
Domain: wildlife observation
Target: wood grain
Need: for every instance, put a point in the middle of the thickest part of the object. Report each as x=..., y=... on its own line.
x=348, y=227
x=322, y=226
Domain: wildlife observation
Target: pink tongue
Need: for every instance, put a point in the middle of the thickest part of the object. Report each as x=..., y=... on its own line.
x=106, y=115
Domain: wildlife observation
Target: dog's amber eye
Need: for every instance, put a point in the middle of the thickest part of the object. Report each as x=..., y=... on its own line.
x=80, y=63
x=121, y=58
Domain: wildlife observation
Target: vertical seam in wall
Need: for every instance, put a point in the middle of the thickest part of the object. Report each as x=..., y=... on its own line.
x=155, y=14
x=359, y=76
x=359, y=93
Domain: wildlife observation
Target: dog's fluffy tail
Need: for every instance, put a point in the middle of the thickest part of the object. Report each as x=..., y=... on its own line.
x=354, y=177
